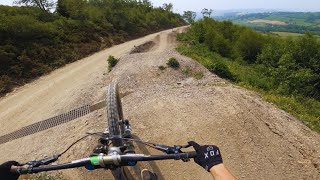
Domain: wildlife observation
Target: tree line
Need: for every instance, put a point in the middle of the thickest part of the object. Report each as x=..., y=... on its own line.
x=44, y=35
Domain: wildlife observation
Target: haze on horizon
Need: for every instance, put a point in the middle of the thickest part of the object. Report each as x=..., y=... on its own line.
x=292, y=5
x=183, y=5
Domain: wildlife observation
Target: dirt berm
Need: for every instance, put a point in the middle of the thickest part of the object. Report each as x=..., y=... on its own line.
x=257, y=140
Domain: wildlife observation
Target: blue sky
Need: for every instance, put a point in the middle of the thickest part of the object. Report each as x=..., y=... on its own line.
x=197, y=5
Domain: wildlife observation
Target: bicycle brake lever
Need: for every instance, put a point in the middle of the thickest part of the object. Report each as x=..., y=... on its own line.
x=172, y=150
x=169, y=149
x=50, y=160
x=45, y=161
x=186, y=146
x=163, y=148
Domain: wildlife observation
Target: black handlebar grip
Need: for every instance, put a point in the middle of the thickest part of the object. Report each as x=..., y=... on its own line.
x=192, y=154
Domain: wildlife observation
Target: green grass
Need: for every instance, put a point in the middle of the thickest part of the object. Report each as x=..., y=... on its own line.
x=250, y=77
x=307, y=110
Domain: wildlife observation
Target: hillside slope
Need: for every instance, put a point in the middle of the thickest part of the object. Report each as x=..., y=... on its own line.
x=258, y=141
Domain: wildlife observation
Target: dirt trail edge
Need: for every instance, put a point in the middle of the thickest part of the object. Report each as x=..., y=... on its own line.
x=257, y=140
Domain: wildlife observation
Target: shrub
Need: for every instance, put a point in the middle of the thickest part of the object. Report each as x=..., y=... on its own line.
x=198, y=75
x=112, y=62
x=186, y=71
x=221, y=70
x=5, y=84
x=173, y=63
x=162, y=68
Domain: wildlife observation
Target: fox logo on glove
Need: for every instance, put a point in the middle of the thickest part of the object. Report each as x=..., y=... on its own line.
x=211, y=152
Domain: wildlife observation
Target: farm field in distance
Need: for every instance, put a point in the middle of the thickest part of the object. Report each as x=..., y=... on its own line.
x=292, y=22
x=270, y=22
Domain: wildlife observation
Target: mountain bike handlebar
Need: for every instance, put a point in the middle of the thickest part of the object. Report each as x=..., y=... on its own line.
x=106, y=161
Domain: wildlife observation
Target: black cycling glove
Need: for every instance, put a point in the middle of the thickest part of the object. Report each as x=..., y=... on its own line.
x=5, y=172
x=207, y=155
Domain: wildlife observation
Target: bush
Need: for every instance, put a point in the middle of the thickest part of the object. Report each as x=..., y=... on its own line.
x=5, y=84
x=173, y=63
x=162, y=68
x=249, y=45
x=186, y=71
x=112, y=62
x=198, y=75
x=221, y=70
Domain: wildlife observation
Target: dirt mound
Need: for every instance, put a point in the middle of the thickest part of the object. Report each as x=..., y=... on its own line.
x=257, y=140
x=145, y=47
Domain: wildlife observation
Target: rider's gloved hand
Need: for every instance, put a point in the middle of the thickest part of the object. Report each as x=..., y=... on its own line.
x=5, y=172
x=207, y=155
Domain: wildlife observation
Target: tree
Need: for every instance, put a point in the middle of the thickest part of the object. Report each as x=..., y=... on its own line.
x=147, y=4
x=217, y=43
x=72, y=8
x=249, y=45
x=189, y=16
x=62, y=9
x=206, y=12
x=44, y=5
x=273, y=51
x=307, y=52
x=167, y=7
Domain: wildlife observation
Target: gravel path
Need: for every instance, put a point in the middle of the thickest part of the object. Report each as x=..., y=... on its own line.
x=257, y=140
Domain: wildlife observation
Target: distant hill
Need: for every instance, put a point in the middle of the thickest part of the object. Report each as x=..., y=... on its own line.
x=236, y=12
x=297, y=22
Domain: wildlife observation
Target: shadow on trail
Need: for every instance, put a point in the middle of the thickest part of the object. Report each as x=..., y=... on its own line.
x=137, y=169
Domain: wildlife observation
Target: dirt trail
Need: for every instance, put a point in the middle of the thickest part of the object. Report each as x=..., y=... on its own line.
x=258, y=141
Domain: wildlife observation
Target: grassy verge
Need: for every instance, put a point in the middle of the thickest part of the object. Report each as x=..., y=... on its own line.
x=250, y=77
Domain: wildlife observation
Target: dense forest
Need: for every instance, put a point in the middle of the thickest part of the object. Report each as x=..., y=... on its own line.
x=39, y=38
x=286, y=71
